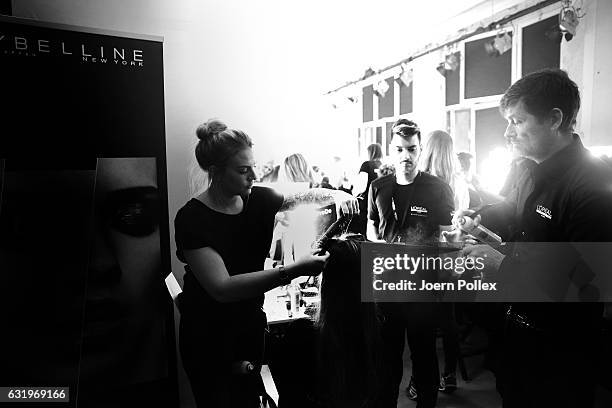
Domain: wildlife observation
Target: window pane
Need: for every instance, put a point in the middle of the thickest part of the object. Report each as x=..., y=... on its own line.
x=452, y=84
x=405, y=98
x=368, y=103
x=462, y=130
x=385, y=104
x=485, y=75
x=541, y=45
x=489, y=134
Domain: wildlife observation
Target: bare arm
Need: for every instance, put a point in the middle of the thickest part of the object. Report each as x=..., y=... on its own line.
x=372, y=232
x=209, y=269
x=322, y=196
x=372, y=224
x=443, y=230
x=361, y=183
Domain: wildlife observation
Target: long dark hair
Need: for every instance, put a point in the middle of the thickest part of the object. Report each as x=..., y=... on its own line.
x=350, y=343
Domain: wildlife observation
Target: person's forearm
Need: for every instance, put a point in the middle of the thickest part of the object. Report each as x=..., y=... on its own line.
x=444, y=228
x=361, y=183
x=372, y=231
x=320, y=196
x=249, y=285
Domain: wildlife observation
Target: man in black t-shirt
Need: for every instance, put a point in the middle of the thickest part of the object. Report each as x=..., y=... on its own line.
x=410, y=207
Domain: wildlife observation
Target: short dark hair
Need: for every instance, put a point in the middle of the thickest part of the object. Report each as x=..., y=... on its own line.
x=541, y=92
x=406, y=128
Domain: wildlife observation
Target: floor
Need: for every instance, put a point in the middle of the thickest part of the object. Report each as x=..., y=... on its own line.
x=479, y=392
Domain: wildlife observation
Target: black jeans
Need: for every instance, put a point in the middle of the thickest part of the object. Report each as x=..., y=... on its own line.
x=416, y=322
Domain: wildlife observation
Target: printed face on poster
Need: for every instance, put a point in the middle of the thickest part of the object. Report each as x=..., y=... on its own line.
x=84, y=236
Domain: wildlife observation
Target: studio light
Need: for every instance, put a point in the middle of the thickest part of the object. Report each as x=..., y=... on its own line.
x=568, y=21
x=490, y=49
x=503, y=43
x=450, y=63
x=441, y=69
x=381, y=87
x=406, y=75
x=499, y=45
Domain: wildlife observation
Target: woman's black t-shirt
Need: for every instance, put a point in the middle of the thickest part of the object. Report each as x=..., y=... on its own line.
x=369, y=167
x=242, y=240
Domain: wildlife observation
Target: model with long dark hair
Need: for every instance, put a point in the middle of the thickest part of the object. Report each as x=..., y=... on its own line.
x=343, y=344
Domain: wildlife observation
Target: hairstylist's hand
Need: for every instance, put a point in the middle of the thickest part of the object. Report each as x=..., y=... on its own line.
x=311, y=264
x=457, y=234
x=346, y=204
x=464, y=213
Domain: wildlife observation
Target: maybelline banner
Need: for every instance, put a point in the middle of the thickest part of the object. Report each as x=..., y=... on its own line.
x=84, y=239
x=71, y=92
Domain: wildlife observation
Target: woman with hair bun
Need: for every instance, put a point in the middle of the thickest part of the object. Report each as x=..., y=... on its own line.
x=223, y=236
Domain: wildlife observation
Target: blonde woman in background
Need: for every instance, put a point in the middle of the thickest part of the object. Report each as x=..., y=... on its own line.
x=295, y=169
x=439, y=159
x=296, y=231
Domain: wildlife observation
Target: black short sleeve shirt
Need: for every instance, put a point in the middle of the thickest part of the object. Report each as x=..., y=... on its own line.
x=413, y=212
x=242, y=240
x=369, y=167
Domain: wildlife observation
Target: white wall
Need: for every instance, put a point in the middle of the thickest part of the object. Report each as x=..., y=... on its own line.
x=588, y=60
x=429, y=94
x=601, y=119
x=600, y=75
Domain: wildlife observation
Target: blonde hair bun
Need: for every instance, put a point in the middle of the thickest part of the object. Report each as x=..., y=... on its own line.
x=210, y=129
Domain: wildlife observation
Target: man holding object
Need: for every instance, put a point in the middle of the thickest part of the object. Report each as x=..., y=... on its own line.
x=549, y=350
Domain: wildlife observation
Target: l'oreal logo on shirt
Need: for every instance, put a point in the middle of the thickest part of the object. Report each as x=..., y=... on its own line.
x=416, y=210
x=544, y=212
